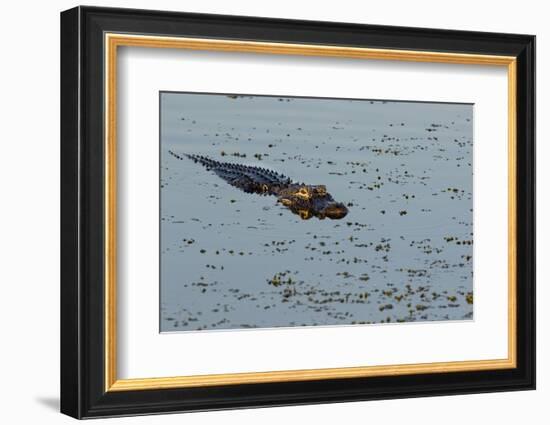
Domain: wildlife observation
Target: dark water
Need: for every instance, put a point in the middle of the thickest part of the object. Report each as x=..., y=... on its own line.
x=235, y=260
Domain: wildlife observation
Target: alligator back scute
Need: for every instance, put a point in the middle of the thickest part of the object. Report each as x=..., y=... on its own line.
x=248, y=178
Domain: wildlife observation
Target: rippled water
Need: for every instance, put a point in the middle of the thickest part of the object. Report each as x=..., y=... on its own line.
x=235, y=260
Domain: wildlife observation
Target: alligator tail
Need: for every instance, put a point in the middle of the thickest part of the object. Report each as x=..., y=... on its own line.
x=203, y=160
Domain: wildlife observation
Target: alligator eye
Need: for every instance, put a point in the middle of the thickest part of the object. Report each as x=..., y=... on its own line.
x=303, y=192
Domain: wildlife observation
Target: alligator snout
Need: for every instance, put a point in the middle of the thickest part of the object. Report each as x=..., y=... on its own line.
x=335, y=211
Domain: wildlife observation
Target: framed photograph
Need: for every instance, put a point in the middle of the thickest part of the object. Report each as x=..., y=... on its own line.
x=261, y=212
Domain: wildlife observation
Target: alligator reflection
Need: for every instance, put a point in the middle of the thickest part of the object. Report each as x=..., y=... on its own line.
x=304, y=200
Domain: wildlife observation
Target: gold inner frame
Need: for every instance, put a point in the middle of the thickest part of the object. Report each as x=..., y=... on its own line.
x=113, y=41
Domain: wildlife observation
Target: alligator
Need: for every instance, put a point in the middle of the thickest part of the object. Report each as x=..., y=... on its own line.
x=302, y=199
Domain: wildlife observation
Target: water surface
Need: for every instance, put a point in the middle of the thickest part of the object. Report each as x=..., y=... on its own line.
x=232, y=260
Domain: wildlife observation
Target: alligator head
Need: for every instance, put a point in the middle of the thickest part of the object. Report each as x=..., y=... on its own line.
x=311, y=201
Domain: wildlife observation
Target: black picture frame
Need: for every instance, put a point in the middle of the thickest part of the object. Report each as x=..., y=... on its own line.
x=83, y=392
